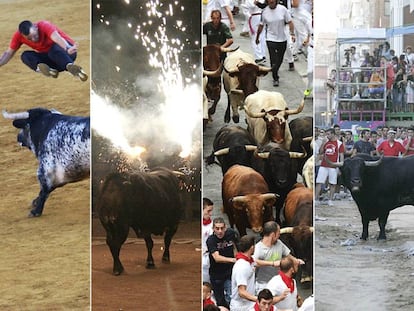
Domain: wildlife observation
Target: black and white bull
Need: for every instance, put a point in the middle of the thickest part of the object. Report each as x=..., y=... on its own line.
x=232, y=145
x=61, y=143
x=148, y=202
x=378, y=185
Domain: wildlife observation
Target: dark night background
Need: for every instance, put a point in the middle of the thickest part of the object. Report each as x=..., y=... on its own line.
x=137, y=79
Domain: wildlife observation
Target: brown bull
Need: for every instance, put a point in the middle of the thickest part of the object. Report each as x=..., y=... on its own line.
x=212, y=68
x=298, y=212
x=246, y=199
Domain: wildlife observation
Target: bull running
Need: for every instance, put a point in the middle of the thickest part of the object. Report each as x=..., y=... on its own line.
x=61, y=143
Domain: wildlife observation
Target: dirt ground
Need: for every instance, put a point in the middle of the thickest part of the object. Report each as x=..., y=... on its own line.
x=174, y=286
x=369, y=275
x=44, y=261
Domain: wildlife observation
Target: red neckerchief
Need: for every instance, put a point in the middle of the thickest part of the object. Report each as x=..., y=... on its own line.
x=208, y=301
x=206, y=221
x=288, y=281
x=257, y=308
x=240, y=255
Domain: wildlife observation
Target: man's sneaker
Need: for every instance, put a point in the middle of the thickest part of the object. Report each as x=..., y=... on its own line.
x=307, y=92
x=291, y=67
x=260, y=60
x=330, y=203
x=77, y=71
x=295, y=57
x=47, y=71
x=275, y=83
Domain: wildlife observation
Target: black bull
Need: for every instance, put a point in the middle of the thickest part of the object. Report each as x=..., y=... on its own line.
x=149, y=203
x=379, y=186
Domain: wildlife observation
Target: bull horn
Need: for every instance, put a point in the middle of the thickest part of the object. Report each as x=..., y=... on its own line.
x=178, y=173
x=250, y=147
x=254, y=115
x=311, y=229
x=236, y=91
x=373, y=163
x=297, y=155
x=214, y=74
x=16, y=116
x=263, y=155
x=222, y=151
x=226, y=50
x=296, y=111
x=307, y=139
x=268, y=196
x=286, y=230
x=337, y=164
x=239, y=198
x=264, y=68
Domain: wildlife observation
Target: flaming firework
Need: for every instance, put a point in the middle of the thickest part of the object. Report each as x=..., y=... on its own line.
x=179, y=113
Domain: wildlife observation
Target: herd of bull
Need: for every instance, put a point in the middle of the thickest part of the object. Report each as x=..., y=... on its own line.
x=260, y=164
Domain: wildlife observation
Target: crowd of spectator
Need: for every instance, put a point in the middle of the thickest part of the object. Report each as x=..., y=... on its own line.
x=377, y=74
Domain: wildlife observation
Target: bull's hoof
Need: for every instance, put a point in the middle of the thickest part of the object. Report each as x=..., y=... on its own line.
x=381, y=237
x=165, y=259
x=34, y=214
x=226, y=119
x=236, y=119
x=150, y=265
x=363, y=237
x=117, y=269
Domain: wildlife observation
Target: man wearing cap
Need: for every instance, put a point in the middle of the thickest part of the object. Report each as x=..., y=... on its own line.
x=54, y=51
x=391, y=147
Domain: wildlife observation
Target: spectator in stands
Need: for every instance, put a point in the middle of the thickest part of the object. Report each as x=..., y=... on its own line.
x=409, y=56
x=398, y=87
x=386, y=51
x=409, y=89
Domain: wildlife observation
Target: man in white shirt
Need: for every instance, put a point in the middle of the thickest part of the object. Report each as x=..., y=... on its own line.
x=274, y=18
x=283, y=286
x=242, y=277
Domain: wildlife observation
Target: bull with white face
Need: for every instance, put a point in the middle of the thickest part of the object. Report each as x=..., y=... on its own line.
x=240, y=78
x=266, y=117
x=61, y=143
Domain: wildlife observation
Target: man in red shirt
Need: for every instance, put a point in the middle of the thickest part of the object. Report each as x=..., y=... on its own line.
x=409, y=142
x=333, y=149
x=390, y=147
x=54, y=51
